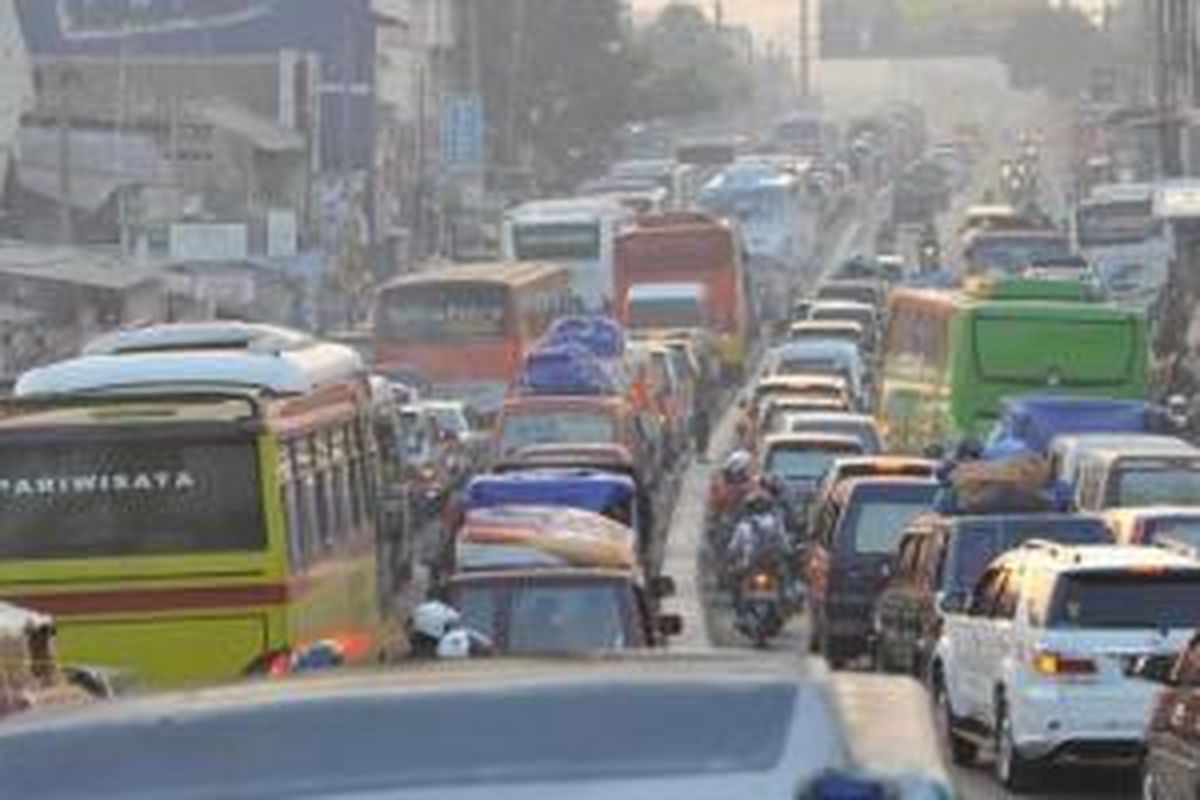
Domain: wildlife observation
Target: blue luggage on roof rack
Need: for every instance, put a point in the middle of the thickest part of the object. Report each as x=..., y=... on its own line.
x=1032, y=421
x=566, y=369
x=603, y=337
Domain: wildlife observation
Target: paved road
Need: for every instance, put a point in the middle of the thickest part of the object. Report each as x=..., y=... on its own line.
x=707, y=618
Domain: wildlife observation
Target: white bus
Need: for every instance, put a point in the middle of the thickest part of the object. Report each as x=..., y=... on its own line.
x=577, y=232
x=1129, y=248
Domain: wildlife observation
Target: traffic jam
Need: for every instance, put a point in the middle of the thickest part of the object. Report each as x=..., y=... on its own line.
x=738, y=469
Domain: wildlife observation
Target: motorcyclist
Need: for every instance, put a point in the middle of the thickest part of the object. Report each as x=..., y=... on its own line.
x=731, y=485
x=759, y=540
x=930, y=272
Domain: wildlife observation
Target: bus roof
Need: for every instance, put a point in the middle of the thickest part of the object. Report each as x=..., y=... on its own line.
x=590, y=206
x=498, y=273
x=290, y=372
x=256, y=338
x=1120, y=192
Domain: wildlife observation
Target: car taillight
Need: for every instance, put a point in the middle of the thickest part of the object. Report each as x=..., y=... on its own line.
x=1056, y=664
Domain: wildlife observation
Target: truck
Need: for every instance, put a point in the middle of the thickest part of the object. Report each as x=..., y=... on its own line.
x=693, y=248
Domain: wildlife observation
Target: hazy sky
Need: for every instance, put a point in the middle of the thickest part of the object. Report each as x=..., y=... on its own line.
x=765, y=16
x=777, y=18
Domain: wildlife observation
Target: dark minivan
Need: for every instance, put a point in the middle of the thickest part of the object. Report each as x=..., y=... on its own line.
x=939, y=560
x=855, y=533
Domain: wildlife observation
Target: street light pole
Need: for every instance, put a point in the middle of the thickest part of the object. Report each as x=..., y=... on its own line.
x=805, y=51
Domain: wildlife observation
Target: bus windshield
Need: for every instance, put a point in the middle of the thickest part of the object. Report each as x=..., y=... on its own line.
x=1126, y=222
x=665, y=312
x=446, y=312
x=556, y=427
x=1012, y=254
x=556, y=241
x=85, y=499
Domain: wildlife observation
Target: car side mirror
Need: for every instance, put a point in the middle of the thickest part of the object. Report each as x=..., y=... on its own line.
x=953, y=601
x=670, y=625
x=1157, y=668
x=662, y=586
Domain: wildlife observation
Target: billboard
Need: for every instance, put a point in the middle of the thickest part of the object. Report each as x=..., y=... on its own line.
x=341, y=33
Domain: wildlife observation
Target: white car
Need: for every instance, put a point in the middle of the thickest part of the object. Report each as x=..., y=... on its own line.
x=1037, y=660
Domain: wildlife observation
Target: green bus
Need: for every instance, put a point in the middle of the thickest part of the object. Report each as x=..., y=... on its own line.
x=951, y=356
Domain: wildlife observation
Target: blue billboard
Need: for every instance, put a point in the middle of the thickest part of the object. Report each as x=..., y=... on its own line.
x=341, y=32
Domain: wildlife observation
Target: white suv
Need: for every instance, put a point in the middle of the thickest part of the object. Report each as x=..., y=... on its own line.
x=1036, y=662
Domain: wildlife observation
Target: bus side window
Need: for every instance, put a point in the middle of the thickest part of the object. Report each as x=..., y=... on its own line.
x=339, y=471
x=299, y=516
x=321, y=493
x=356, y=457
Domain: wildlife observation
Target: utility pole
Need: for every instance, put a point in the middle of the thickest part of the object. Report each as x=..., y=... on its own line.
x=66, y=224
x=1172, y=26
x=805, y=51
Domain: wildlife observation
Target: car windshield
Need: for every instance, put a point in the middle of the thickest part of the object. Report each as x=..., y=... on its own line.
x=792, y=464
x=526, y=429
x=1131, y=599
x=1157, y=484
x=875, y=519
x=1176, y=530
x=567, y=619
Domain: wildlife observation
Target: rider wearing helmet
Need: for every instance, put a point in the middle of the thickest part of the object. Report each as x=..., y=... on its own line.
x=759, y=537
x=731, y=484
x=430, y=622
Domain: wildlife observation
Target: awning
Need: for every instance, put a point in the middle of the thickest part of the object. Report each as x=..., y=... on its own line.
x=263, y=133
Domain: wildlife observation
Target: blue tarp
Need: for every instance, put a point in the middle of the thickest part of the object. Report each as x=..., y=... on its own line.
x=566, y=370
x=1031, y=422
x=598, y=492
x=603, y=337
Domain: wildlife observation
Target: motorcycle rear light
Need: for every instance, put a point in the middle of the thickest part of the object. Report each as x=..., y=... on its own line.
x=1056, y=664
x=762, y=580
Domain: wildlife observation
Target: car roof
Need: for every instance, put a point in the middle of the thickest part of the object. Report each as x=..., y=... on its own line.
x=1151, y=512
x=832, y=417
x=846, y=488
x=843, y=305
x=541, y=402
x=814, y=441
x=1097, y=557
x=817, y=325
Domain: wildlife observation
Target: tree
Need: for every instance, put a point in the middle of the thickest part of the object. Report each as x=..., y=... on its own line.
x=1053, y=48
x=686, y=67
x=557, y=77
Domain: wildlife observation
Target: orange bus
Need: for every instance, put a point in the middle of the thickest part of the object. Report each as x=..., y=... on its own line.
x=467, y=328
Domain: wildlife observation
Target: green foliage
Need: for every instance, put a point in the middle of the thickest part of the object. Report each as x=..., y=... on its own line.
x=687, y=67
x=557, y=77
x=1053, y=48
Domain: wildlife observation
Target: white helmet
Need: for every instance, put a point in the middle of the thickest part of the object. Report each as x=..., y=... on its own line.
x=737, y=465
x=434, y=619
x=454, y=645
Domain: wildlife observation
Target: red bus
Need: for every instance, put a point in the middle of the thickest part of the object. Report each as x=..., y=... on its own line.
x=467, y=328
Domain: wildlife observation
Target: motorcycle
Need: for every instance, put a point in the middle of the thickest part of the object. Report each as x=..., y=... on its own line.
x=759, y=607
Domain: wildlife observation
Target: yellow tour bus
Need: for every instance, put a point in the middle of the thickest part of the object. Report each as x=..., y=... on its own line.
x=198, y=502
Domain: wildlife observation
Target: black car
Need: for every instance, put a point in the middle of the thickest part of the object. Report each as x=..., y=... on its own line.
x=1171, y=766
x=939, y=559
x=854, y=535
